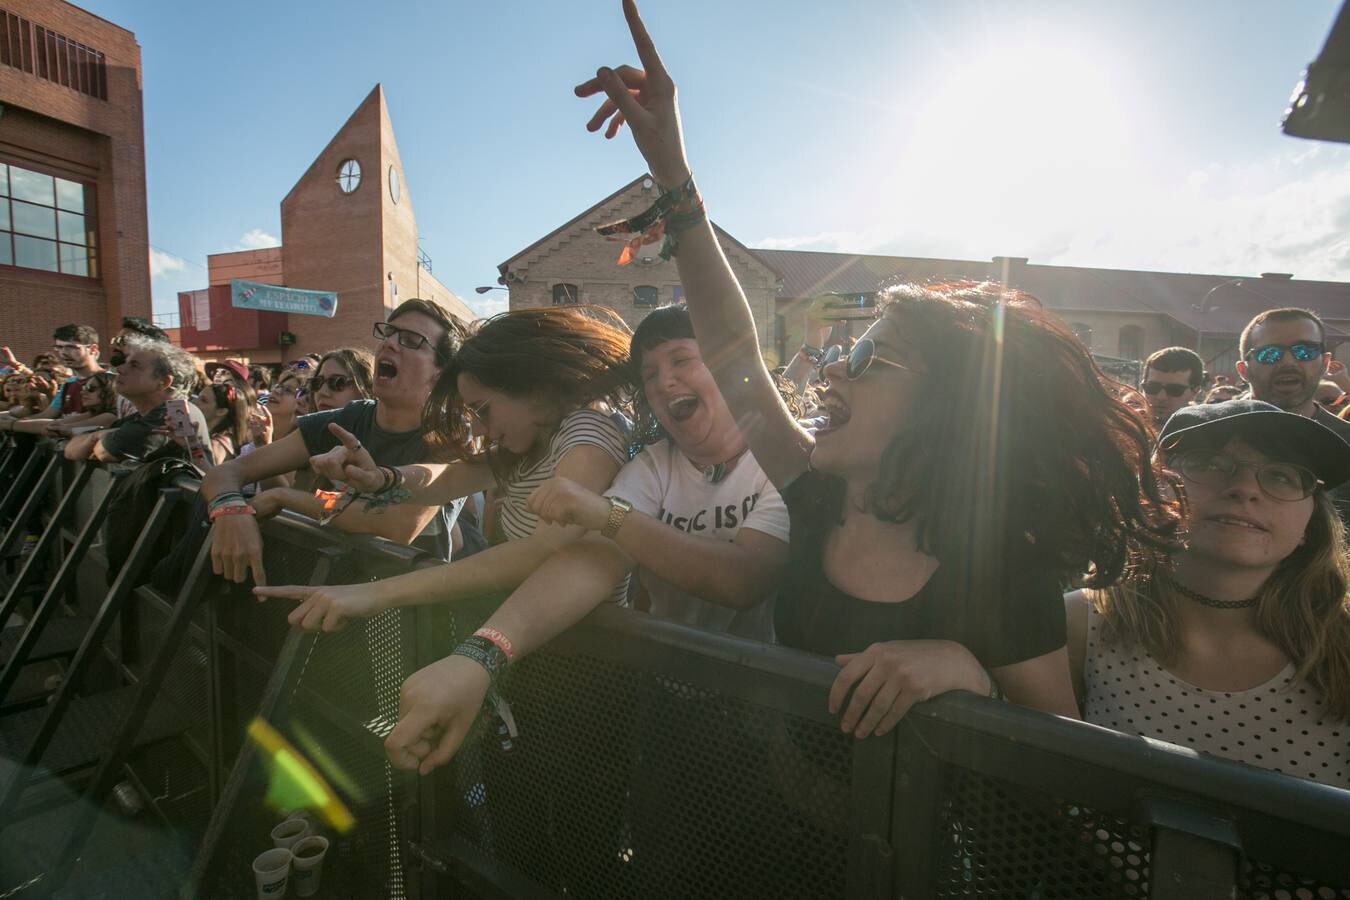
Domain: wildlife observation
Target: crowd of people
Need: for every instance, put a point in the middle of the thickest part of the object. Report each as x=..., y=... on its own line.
x=957, y=500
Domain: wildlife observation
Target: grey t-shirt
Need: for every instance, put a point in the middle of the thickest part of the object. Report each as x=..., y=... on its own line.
x=387, y=448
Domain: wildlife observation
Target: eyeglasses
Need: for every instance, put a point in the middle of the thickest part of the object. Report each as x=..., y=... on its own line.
x=478, y=410
x=410, y=340
x=335, y=383
x=861, y=357
x=1173, y=390
x=1280, y=481
x=1303, y=351
x=302, y=364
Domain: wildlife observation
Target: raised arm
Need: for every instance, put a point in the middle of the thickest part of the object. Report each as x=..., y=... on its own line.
x=725, y=328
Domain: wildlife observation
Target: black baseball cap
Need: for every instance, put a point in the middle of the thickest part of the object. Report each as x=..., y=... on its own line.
x=1214, y=424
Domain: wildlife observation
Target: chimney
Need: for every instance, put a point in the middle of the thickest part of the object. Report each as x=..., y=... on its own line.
x=1008, y=270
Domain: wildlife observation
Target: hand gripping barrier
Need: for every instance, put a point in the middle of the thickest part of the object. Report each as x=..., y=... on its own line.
x=653, y=761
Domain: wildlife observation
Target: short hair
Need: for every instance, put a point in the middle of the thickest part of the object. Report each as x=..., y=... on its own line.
x=1283, y=314
x=455, y=331
x=79, y=334
x=145, y=329
x=179, y=366
x=1177, y=359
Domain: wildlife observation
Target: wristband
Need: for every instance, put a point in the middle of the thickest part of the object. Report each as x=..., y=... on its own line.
x=488, y=655
x=815, y=354
x=242, y=510
x=225, y=497
x=501, y=641
x=674, y=212
x=332, y=503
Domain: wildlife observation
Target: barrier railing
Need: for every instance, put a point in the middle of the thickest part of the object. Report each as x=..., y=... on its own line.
x=653, y=760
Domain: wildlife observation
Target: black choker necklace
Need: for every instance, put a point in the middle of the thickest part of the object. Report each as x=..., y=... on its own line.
x=1210, y=601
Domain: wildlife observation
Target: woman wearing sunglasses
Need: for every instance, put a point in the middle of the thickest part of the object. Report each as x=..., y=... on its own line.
x=1248, y=627
x=343, y=375
x=530, y=394
x=974, y=459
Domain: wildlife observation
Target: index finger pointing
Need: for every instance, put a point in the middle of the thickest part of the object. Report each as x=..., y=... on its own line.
x=348, y=439
x=651, y=60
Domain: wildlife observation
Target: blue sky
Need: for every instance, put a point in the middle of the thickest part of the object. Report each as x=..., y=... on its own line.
x=1135, y=135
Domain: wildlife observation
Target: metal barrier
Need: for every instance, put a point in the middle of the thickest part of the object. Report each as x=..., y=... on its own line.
x=654, y=760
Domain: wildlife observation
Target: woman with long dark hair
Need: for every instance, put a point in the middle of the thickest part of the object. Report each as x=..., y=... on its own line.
x=974, y=460
x=1247, y=626
x=530, y=394
x=227, y=406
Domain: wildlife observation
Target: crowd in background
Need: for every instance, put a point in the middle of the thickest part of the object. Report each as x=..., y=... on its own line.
x=957, y=500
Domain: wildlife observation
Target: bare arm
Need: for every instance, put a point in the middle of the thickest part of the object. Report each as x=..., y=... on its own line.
x=81, y=446
x=723, y=322
x=400, y=523
x=1076, y=620
x=1041, y=683
x=431, y=484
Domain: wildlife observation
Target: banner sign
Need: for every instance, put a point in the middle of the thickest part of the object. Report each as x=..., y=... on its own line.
x=271, y=298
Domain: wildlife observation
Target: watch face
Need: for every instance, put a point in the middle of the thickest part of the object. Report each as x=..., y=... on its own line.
x=395, y=190
x=349, y=176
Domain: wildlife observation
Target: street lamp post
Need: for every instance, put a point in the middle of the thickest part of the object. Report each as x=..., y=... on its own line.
x=1203, y=307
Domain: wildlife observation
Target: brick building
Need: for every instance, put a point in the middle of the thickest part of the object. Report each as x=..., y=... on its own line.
x=1117, y=313
x=347, y=226
x=74, y=244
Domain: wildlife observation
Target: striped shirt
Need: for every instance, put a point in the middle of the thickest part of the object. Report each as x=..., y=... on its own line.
x=582, y=427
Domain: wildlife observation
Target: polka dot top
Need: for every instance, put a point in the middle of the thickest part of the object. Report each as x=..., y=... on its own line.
x=1279, y=725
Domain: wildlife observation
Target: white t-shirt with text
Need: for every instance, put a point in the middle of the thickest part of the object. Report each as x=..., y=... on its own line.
x=661, y=482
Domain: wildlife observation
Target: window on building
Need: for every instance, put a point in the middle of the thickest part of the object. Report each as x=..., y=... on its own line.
x=46, y=223
x=644, y=295
x=1131, y=340
x=564, y=294
x=51, y=56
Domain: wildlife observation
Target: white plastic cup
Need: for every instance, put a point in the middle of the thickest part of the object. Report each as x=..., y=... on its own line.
x=304, y=814
x=271, y=873
x=288, y=832
x=308, y=864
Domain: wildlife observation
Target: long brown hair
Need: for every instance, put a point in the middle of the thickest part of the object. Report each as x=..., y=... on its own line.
x=571, y=356
x=360, y=365
x=1018, y=450
x=1304, y=610
x=239, y=399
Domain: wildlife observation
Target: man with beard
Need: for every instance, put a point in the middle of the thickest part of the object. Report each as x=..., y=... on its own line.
x=416, y=343
x=1284, y=358
x=76, y=346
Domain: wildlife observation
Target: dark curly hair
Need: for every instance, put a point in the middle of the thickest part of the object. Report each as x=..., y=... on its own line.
x=1019, y=452
x=571, y=356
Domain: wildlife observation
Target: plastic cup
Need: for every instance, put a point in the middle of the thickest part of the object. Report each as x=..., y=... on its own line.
x=305, y=870
x=271, y=872
x=288, y=832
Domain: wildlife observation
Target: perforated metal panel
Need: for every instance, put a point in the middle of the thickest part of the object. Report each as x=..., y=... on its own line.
x=632, y=784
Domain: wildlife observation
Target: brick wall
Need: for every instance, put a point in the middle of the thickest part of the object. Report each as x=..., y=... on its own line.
x=59, y=130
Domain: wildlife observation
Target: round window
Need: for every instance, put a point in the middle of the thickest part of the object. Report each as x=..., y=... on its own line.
x=349, y=176
x=395, y=191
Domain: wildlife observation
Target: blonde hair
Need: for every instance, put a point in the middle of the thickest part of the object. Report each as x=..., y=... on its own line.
x=1304, y=610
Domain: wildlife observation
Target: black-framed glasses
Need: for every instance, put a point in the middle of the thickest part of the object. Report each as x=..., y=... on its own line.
x=335, y=383
x=1280, y=481
x=861, y=357
x=1303, y=351
x=1172, y=390
x=407, y=339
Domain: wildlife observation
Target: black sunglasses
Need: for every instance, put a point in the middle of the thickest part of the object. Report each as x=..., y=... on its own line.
x=861, y=357
x=335, y=383
x=1303, y=351
x=1172, y=390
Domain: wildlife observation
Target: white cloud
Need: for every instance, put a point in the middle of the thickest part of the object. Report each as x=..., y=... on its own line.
x=257, y=239
x=162, y=263
x=489, y=304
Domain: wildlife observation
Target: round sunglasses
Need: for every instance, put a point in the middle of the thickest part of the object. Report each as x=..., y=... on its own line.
x=861, y=357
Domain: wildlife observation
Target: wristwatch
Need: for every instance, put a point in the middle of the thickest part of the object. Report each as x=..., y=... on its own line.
x=815, y=354
x=618, y=510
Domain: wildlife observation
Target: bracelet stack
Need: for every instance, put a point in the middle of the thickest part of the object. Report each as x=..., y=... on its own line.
x=228, y=503
x=489, y=654
x=391, y=492
x=674, y=212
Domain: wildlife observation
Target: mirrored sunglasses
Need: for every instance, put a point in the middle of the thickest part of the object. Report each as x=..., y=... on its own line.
x=1270, y=354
